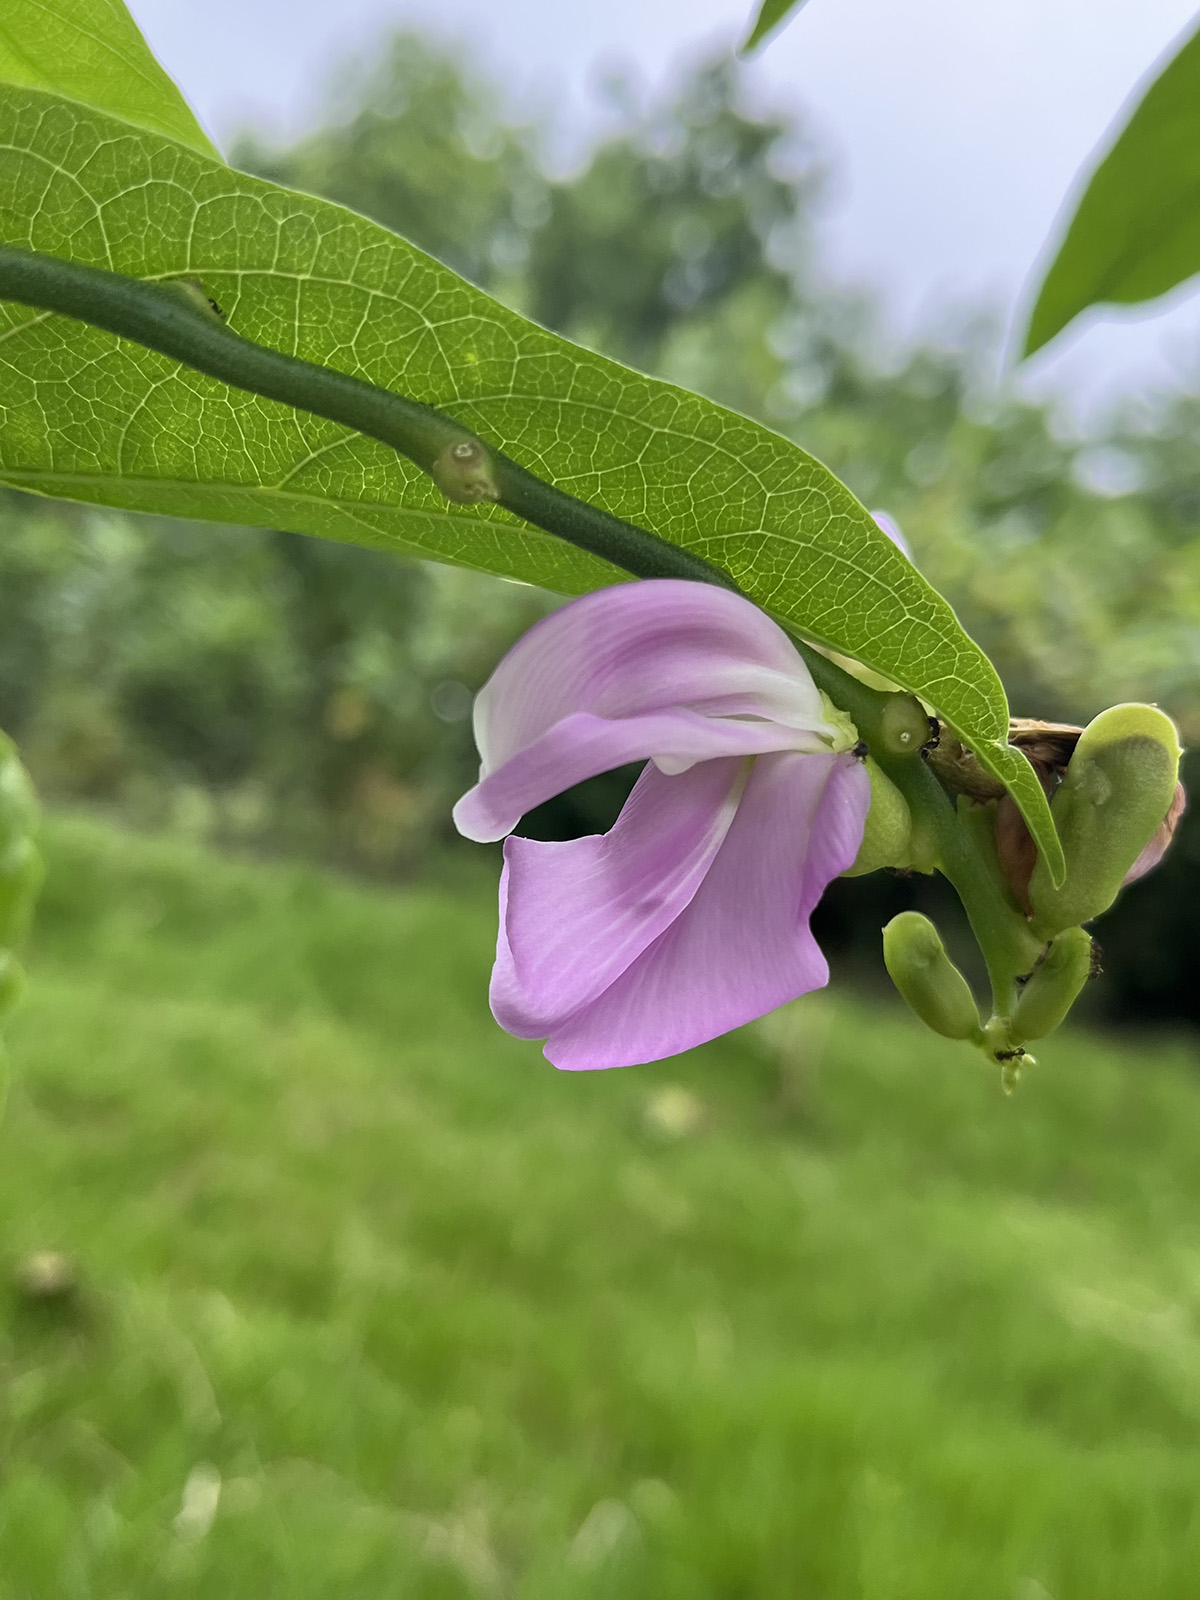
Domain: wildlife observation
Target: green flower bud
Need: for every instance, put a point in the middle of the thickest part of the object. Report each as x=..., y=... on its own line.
x=1118, y=787
x=1053, y=986
x=918, y=965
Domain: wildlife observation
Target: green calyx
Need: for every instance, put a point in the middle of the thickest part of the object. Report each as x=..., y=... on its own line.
x=1117, y=790
x=936, y=990
x=891, y=837
x=887, y=836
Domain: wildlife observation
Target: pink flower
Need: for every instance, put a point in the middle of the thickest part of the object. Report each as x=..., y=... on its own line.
x=690, y=916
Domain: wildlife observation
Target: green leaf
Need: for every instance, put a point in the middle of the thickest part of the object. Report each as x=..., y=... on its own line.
x=1006, y=763
x=85, y=416
x=91, y=50
x=771, y=14
x=1136, y=231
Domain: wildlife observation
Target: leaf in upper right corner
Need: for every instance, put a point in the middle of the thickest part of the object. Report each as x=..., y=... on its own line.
x=1135, y=233
x=772, y=14
x=92, y=51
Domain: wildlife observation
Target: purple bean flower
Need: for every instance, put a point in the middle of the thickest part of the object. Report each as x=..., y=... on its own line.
x=691, y=915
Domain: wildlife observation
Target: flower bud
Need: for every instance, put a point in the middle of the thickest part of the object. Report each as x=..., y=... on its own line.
x=918, y=965
x=1053, y=986
x=1118, y=787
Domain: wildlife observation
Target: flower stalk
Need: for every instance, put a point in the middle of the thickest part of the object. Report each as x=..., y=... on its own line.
x=175, y=318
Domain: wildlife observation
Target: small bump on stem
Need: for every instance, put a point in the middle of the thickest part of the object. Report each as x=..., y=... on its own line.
x=464, y=473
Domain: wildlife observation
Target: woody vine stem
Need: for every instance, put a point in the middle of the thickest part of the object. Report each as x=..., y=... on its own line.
x=174, y=317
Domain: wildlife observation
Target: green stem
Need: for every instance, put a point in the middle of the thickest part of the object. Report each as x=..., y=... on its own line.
x=1009, y=948
x=862, y=704
x=166, y=317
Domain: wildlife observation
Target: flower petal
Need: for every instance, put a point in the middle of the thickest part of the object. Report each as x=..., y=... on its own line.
x=743, y=944
x=580, y=746
x=575, y=914
x=885, y=521
x=639, y=648
x=1159, y=844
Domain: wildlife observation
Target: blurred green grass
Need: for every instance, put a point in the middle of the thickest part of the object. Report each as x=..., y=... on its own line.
x=373, y=1303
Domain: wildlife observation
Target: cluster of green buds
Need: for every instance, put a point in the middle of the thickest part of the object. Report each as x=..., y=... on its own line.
x=20, y=868
x=1115, y=797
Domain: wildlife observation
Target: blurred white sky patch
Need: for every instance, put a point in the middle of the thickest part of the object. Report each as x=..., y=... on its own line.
x=954, y=129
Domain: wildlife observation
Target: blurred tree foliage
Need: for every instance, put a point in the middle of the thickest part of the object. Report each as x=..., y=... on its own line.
x=251, y=684
x=270, y=688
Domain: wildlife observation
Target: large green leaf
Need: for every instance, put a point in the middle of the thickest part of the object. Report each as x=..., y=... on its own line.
x=91, y=50
x=88, y=417
x=1136, y=231
x=771, y=14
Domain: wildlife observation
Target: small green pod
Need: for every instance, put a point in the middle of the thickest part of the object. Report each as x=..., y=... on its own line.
x=1117, y=789
x=1054, y=986
x=936, y=990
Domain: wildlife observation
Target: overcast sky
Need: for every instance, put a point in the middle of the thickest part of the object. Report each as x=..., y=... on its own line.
x=955, y=127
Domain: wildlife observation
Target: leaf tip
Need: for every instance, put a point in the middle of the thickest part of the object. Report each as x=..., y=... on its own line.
x=772, y=14
x=1055, y=859
x=1040, y=328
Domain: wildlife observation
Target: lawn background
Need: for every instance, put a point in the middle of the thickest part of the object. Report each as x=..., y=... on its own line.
x=374, y=1303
